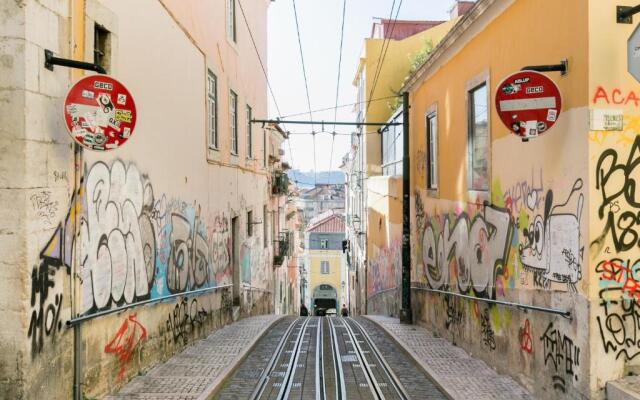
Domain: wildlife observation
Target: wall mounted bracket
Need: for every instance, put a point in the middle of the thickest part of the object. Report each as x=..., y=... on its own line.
x=624, y=14
x=563, y=67
x=50, y=61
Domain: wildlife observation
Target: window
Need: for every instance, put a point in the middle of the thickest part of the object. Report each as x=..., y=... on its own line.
x=249, y=134
x=249, y=223
x=324, y=244
x=233, y=121
x=324, y=267
x=392, y=147
x=212, y=109
x=231, y=20
x=478, y=139
x=432, y=151
x=101, y=46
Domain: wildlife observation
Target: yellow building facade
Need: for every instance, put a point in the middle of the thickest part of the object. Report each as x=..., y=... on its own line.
x=523, y=252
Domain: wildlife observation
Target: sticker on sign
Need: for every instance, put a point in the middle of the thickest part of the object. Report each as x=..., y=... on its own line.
x=528, y=103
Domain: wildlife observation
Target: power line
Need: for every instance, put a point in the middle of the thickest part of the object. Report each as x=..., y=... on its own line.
x=264, y=71
x=335, y=111
x=388, y=42
x=306, y=84
x=341, y=106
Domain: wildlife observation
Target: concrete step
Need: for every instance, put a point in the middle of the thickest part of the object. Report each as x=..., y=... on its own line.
x=627, y=388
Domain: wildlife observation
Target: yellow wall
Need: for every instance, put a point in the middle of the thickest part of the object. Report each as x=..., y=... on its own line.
x=334, y=278
x=613, y=314
x=462, y=246
x=394, y=70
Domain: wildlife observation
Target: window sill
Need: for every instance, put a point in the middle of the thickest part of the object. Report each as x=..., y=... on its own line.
x=479, y=196
x=433, y=193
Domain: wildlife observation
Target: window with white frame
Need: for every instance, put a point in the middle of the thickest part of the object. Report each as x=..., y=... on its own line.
x=432, y=150
x=324, y=267
x=392, y=147
x=478, y=138
x=324, y=244
x=212, y=109
x=231, y=20
x=249, y=134
x=233, y=121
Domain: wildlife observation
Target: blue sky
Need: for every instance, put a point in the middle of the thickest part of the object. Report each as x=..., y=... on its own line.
x=320, y=22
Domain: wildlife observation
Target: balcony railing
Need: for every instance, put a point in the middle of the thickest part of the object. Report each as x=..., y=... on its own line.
x=282, y=248
x=280, y=183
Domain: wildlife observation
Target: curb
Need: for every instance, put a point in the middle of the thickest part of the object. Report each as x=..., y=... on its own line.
x=412, y=354
x=216, y=385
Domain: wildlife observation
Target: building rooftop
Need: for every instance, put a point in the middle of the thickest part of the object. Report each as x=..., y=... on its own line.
x=327, y=222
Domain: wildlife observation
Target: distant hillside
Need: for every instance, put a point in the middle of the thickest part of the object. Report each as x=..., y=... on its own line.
x=306, y=179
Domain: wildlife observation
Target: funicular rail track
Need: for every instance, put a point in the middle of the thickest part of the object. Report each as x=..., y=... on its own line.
x=327, y=358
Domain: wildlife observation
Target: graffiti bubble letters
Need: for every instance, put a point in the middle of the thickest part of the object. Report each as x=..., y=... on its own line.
x=551, y=247
x=561, y=354
x=118, y=241
x=125, y=342
x=478, y=249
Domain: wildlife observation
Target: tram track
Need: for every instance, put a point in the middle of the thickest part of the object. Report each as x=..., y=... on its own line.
x=327, y=358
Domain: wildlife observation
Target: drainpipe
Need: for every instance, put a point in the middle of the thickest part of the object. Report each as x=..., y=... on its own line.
x=405, y=310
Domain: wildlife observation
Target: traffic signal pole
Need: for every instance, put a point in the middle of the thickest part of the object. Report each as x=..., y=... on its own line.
x=405, y=310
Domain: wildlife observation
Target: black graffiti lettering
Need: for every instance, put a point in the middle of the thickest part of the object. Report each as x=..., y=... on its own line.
x=488, y=336
x=561, y=354
x=185, y=317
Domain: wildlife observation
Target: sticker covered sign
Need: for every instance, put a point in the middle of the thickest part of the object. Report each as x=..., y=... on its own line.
x=528, y=103
x=100, y=113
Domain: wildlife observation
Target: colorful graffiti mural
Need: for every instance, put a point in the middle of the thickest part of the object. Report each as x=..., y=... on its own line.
x=384, y=269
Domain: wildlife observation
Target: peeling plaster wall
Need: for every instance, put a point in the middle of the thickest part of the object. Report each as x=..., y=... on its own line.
x=89, y=232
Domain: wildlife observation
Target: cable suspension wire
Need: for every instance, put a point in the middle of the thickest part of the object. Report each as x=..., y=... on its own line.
x=266, y=77
x=306, y=84
x=340, y=106
x=383, y=50
x=335, y=110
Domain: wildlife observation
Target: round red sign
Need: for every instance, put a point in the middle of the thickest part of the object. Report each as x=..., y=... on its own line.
x=528, y=103
x=100, y=113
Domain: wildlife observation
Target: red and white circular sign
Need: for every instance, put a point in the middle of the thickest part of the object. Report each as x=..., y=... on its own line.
x=100, y=113
x=528, y=103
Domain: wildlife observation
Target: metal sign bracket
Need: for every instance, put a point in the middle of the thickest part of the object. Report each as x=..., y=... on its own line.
x=50, y=61
x=563, y=67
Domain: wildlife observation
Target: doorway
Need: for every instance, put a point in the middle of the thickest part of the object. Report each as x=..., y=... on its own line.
x=235, y=257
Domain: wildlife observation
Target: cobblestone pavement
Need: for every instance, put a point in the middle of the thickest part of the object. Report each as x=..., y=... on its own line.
x=458, y=374
x=200, y=368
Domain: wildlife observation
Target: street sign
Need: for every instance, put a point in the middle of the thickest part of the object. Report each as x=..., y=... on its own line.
x=633, y=54
x=100, y=113
x=528, y=103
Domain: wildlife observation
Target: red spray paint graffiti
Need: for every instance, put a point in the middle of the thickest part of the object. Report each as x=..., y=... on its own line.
x=125, y=341
x=526, y=344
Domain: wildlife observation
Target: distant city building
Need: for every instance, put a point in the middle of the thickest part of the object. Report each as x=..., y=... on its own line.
x=321, y=198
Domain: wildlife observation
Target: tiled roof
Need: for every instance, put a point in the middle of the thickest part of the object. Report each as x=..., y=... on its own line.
x=333, y=223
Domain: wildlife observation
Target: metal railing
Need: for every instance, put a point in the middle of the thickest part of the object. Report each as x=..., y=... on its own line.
x=78, y=320
x=563, y=313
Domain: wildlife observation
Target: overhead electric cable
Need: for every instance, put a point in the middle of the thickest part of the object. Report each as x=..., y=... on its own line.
x=266, y=77
x=340, y=106
x=335, y=110
x=384, y=49
x=306, y=84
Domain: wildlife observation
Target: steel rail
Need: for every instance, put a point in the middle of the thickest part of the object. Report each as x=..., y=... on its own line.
x=566, y=314
x=320, y=389
x=362, y=359
x=341, y=390
x=264, y=378
x=393, y=378
x=77, y=320
x=287, y=381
